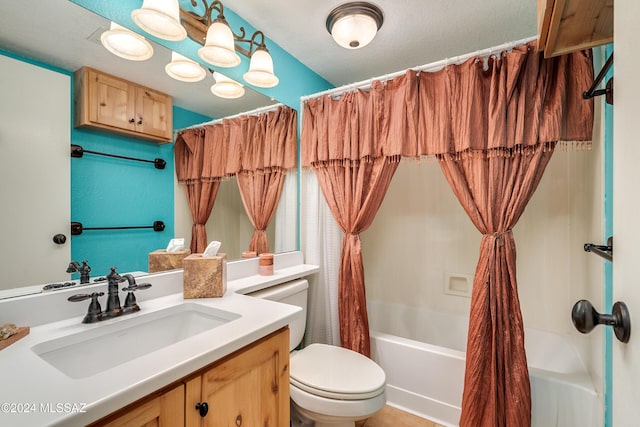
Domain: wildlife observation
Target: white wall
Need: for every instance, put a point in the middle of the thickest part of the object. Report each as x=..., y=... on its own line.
x=228, y=223
x=421, y=234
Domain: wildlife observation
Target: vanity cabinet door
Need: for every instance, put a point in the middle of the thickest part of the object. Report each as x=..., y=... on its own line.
x=166, y=409
x=249, y=388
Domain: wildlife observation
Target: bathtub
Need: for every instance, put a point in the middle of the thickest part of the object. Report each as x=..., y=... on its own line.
x=423, y=354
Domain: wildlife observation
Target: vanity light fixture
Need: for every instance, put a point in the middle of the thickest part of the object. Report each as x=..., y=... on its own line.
x=126, y=44
x=160, y=18
x=220, y=44
x=224, y=87
x=353, y=25
x=184, y=69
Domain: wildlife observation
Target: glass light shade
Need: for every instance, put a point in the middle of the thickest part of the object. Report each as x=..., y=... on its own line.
x=184, y=69
x=226, y=87
x=219, y=47
x=126, y=44
x=354, y=31
x=261, y=69
x=160, y=18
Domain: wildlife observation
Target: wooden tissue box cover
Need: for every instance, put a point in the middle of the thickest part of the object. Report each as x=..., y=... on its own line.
x=161, y=260
x=204, y=277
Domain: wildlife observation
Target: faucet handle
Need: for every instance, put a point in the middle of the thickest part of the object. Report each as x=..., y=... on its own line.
x=94, y=312
x=137, y=287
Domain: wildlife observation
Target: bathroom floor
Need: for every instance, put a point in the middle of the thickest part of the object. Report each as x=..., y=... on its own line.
x=392, y=417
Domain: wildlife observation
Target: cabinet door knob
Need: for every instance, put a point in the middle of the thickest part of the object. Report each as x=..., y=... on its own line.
x=132, y=120
x=140, y=121
x=202, y=408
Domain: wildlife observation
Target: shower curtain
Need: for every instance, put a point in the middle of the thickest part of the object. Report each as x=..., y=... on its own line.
x=493, y=126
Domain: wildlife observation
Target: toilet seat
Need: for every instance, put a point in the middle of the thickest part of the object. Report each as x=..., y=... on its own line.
x=336, y=373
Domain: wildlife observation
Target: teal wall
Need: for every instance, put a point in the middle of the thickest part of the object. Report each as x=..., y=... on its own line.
x=608, y=231
x=109, y=192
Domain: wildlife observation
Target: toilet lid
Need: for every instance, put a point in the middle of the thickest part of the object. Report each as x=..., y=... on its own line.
x=336, y=372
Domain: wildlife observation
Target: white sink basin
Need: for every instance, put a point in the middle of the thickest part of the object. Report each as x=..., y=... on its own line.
x=118, y=341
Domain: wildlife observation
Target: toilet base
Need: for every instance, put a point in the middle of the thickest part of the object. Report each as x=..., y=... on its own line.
x=304, y=418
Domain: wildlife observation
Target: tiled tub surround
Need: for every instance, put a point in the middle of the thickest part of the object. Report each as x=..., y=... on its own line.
x=29, y=383
x=423, y=354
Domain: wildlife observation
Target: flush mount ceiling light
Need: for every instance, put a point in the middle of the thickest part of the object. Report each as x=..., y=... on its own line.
x=126, y=44
x=354, y=25
x=160, y=18
x=225, y=87
x=184, y=69
x=220, y=44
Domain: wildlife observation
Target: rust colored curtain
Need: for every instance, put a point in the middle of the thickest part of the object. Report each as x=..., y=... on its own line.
x=262, y=149
x=353, y=145
x=258, y=149
x=493, y=124
x=200, y=166
x=502, y=127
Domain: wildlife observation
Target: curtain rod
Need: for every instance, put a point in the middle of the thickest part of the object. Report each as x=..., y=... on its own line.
x=433, y=66
x=255, y=112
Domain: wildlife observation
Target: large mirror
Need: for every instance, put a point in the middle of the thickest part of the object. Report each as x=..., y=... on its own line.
x=64, y=36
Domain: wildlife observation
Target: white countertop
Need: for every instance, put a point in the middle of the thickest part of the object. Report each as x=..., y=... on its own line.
x=34, y=393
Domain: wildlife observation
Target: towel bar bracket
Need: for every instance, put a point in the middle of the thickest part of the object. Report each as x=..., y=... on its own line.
x=605, y=251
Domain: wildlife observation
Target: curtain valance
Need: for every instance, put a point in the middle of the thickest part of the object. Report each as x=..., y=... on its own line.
x=493, y=106
x=248, y=144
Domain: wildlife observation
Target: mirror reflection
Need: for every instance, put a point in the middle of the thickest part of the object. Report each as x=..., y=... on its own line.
x=61, y=39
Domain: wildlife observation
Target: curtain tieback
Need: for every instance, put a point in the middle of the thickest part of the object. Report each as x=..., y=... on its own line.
x=498, y=235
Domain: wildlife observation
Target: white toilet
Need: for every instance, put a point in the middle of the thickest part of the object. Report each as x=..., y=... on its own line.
x=329, y=385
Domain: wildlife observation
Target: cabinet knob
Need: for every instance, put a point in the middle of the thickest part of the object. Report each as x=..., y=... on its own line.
x=140, y=121
x=132, y=120
x=59, y=239
x=202, y=408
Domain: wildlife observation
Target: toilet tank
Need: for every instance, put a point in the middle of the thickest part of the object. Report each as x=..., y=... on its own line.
x=293, y=293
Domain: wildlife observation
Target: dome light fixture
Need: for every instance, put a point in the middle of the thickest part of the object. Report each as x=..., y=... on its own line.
x=184, y=69
x=353, y=25
x=126, y=44
x=225, y=87
x=160, y=18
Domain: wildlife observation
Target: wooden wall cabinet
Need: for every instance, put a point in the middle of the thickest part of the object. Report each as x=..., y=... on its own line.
x=114, y=105
x=248, y=388
x=566, y=26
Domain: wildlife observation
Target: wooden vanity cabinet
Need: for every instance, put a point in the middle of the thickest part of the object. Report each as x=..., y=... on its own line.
x=566, y=26
x=115, y=105
x=248, y=388
x=164, y=409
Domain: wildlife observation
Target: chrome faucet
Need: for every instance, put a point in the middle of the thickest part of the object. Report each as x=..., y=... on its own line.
x=83, y=269
x=95, y=313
